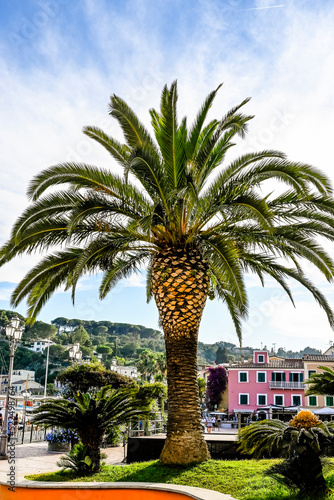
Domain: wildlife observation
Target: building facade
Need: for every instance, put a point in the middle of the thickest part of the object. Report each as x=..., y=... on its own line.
x=262, y=382
x=312, y=362
x=265, y=381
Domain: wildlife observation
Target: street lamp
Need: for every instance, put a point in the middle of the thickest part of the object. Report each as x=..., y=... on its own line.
x=14, y=334
x=75, y=353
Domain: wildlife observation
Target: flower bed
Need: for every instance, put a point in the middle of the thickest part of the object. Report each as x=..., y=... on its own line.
x=60, y=440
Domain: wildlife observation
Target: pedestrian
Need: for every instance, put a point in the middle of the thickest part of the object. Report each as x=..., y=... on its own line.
x=208, y=424
x=9, y=428
x=203, y=423
x=219, y=422
x=213, y=420
x=16, y=422
x=1, y=421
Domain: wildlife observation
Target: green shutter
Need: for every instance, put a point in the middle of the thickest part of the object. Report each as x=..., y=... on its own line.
x=312, y=401
x=329, y=401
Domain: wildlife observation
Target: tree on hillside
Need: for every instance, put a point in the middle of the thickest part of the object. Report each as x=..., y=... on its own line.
x=39, y=330
x=221, y=355
x=195, y=220
x=60, y=323
x=80, y=335
x=146, y=364
x=215, y=386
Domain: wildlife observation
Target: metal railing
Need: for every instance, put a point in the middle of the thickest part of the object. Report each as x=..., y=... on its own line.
x=286, y=385
x=146, y=427
x=29, y=434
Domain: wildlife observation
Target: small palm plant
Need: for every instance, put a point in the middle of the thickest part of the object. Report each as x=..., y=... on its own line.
x=301, y=442
x=93, y=415
x=77, y=460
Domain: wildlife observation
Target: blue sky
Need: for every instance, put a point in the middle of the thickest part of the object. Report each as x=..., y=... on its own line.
x=60, y=60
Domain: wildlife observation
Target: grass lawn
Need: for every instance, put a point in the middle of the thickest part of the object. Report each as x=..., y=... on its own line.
x=243, y=480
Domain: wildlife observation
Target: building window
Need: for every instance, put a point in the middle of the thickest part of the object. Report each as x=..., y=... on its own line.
x=260, y=358
x=311, y=372
x=243, y=399
x=243, y=376
x=261, y=376
x=329, y=401
x=279, y=400
x=312, y=401
x=296, y=400
x=296, y=377
x=261, y=399
x=278, y=377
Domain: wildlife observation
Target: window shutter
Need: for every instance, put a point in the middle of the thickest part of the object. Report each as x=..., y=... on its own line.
x=301, y=377
x=283, y=377
x=273, y=377
x=290, y=377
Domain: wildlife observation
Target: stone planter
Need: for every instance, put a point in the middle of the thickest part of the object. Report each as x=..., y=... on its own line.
x=59, y=447
x=35, y=490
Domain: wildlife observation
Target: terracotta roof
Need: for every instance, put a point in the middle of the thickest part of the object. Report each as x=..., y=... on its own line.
x=318, y=357
x=286, y=363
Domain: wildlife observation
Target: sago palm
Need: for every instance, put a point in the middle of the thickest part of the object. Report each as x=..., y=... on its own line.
x=93, y=415
x=195, y=221
x=301, y=442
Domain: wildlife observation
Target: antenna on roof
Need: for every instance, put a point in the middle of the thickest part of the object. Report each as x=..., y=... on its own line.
x=261, y=345
x=274, y=344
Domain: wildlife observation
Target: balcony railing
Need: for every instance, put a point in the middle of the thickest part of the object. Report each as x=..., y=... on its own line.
x=286, y=385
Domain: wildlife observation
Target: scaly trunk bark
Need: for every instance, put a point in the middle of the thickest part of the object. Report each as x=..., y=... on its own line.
x=180, y=287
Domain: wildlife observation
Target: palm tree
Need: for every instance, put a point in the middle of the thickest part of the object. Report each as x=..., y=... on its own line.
x=321, y=383
x=301, y=442
x=146, y=364
x=197, y=222
x=93, y=415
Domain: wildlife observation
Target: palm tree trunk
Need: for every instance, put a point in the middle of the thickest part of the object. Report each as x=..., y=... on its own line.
x=180, y=286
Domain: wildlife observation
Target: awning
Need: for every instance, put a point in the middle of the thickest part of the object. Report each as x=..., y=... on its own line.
x=324, y=411
x=243, y=411
x=217, y=413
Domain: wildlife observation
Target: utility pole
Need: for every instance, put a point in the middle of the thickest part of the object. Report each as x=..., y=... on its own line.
x=47, y=367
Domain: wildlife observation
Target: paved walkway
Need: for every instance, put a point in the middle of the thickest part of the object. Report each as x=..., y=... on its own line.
x=34, y=458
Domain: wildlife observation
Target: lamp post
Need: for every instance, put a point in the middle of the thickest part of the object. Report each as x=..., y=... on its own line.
x=14, y=334
x=75, y=353
x=26, y=395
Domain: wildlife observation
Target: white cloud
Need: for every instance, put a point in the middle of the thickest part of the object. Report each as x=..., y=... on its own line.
x=266, y=53
x=307, y=322
x=6, y=290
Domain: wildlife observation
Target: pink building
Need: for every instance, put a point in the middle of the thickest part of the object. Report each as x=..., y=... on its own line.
x=263, y=382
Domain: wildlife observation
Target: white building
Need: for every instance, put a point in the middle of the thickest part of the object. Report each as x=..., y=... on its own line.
x=21, y=376
x=41, y=345
x=128, y=371
x=21, y=385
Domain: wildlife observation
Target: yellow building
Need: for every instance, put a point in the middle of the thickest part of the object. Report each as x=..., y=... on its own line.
x=311, y=365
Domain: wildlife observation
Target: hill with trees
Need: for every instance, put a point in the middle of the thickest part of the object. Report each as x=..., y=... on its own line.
x=129, y=344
